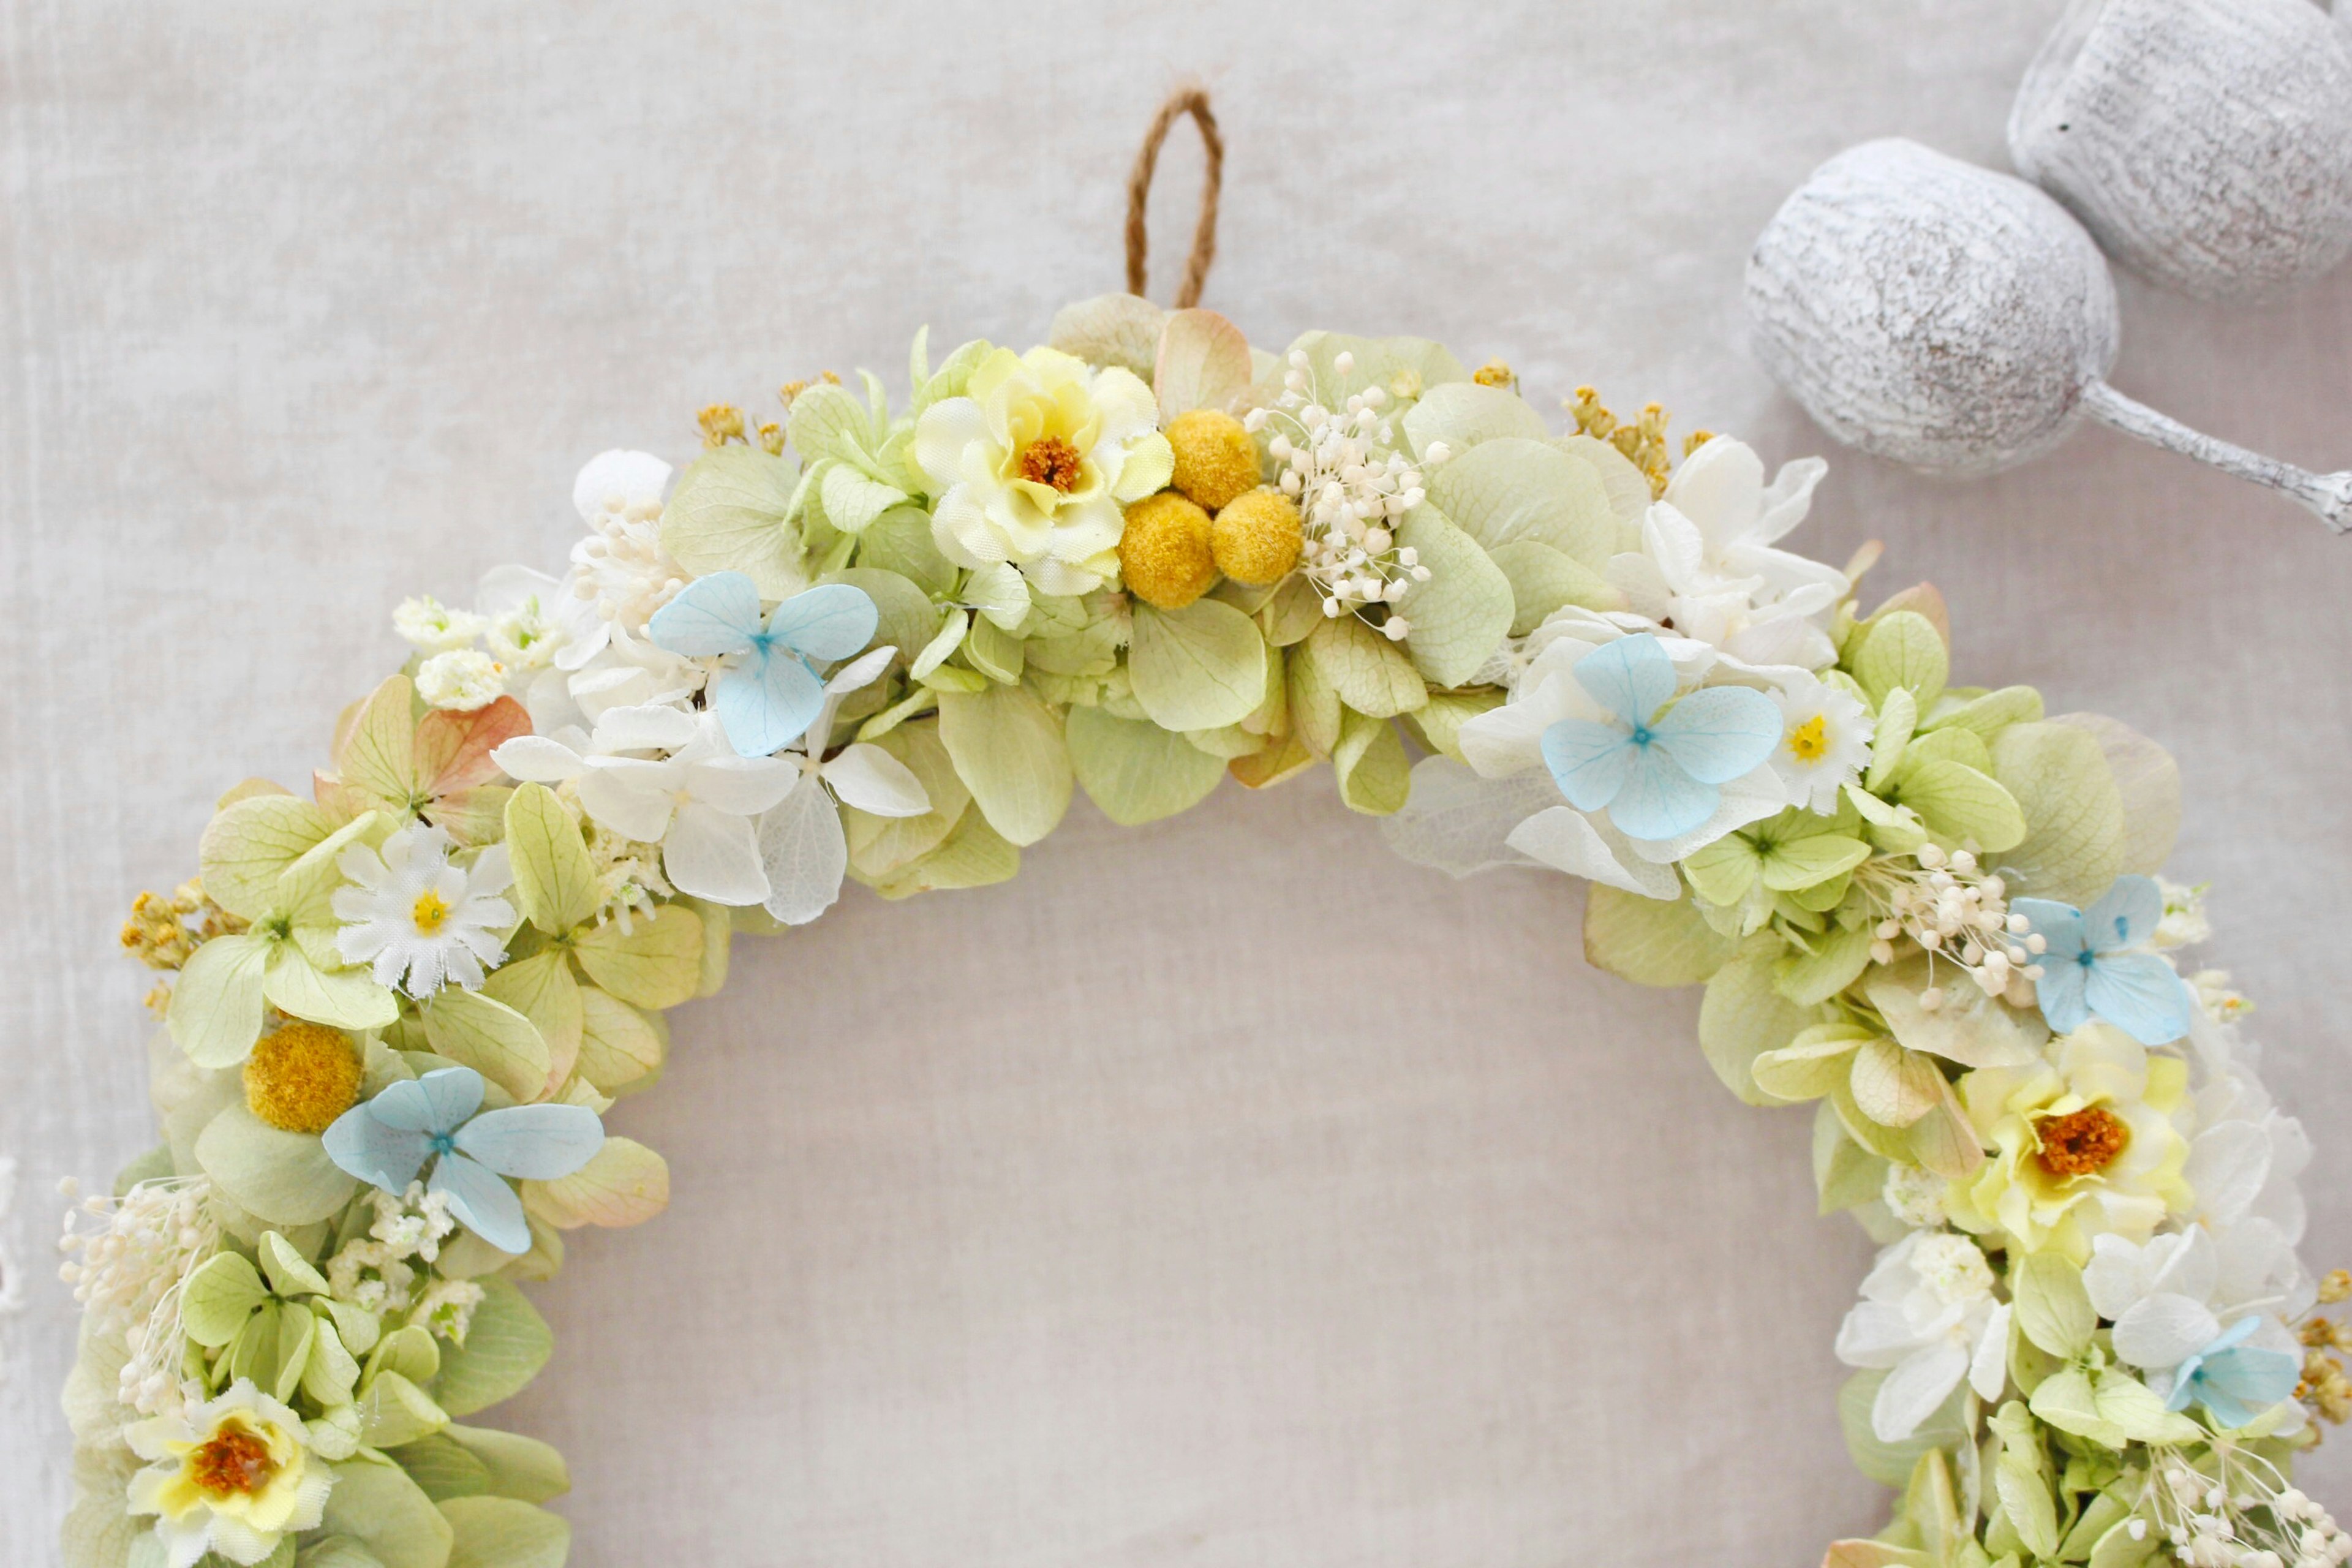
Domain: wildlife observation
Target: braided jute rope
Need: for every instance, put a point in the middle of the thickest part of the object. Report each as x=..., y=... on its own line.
x=1194, y=102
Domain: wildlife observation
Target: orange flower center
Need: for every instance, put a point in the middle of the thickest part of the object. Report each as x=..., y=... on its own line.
x=2082, y=1142
x=1050, y=460
x=232, y=1463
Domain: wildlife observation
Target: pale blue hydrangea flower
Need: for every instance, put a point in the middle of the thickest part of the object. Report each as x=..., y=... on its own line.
x=767, y=693
x=1659, y=768
x=385, y=1142
x=2234, y=1380
x=2090, y=966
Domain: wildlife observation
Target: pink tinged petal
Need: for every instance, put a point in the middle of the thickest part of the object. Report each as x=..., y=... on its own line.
x=872, y=780
x=804, y=855
x=2164, y=1330
x=457, y=751
x=712, y=854
x=631, y=803
x=1916, y=1390
x=482, y=1202
x=534, y=759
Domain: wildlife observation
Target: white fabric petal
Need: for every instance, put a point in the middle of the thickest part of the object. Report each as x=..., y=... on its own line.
x=535, y=759
x=1917, y=1389
x=862, y=672
x=946, y=428
x=619, y=482
x=651, y=728
x=2229, y=1166
x=872, y=780
x=2164, y=1330
x=1988, y=1369
x=631, y=798
x=740, y=786
x=1720, y=487
x=1789, y=497
x=710, y=854
x=1567, y=840
x=804, y=853
x=1874, y=1333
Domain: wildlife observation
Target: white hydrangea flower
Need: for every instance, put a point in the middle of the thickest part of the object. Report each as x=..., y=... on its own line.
x=433, y=627
x=461, y=680
x=1928, y=1317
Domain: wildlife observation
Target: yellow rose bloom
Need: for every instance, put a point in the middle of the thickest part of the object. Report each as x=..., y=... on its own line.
x=231, y=1477
x=1033, y=463
x=2090, y=1140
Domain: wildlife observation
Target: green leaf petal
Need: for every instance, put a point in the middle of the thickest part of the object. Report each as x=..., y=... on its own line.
x=2054, y=1310
x=501, y=1532
x=2149, y=783
x=378, y=1507
x=829, y=421
x=473, y=1030
x=1652, y=941
x=1375, y=775
x=1463, y=413
x=218, y=1296
x=657, y=962
x=624, y=1184
x=1543, y=579
x=1199, y=667
x=1904, y=649
x=1958, y=802
x=216, y=1004
x=1891, y=1464
x=395, y=1411
x=2060, y=777
x=2064, y=1400
x=554, y=879
x=1845, y=1175
x=1808, y=1067
x=1795, y=864
x=1367, y=671
x=377, y=757
x=1893, y=1087
x=1837, y=959
x=1440, y=719
x=1203, y=363
x=506, y=1345
x=1723, y=871
x=1462, y=614
x=1744, y=1015
x=1506, y=491
x=441, y=1468
x=974, y=856
x=249, y=846
x=542, y=988
x=879, y=846
x=727, y=514
x=279, y=1178
x=1989, y=714
x=852, y=501
x=899, y=542
x=1008, y=749
x=1135, y=771
x=518, y=1467
x=620, y=1047
x=340, y=998
x=290, y=1274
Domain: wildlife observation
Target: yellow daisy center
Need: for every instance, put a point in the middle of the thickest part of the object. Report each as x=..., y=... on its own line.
x=429, y=911
x=1051, y=461
x=1811, y=740
x=233, y=1462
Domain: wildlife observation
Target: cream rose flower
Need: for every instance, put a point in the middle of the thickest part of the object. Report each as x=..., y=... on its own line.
x=1034, y=464
x=2090, y=1141
x=231, y=1477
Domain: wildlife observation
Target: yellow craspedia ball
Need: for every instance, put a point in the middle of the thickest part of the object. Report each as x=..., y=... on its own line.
x=1256, y=537
x=1164, y=553
x=1215, y=459
x=300, y=1078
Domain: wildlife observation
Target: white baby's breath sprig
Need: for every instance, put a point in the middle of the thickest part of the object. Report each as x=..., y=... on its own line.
x=1957, y=912
x=128, y=1272
x=1353, y=488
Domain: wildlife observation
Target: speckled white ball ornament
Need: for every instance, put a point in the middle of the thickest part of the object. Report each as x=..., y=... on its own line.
x=1958, y=321
x=2207, y=144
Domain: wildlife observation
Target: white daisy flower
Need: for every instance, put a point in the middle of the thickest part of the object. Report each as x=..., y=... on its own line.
x=419, y=921
x=1824, y=741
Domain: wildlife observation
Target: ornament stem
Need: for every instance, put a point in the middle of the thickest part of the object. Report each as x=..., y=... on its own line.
x=2329, y=496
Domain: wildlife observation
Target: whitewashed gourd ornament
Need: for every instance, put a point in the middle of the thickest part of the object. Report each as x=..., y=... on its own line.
x=2206, y=144
x=1927, y=311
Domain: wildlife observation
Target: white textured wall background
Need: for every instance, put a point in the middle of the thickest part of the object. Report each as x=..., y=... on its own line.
x=1222, y=1193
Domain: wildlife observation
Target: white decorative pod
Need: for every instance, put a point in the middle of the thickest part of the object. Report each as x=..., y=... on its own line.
x=2206, y=143
x=1958, y=321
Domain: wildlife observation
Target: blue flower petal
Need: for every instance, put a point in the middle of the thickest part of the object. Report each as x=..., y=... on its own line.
x=483, y=1203
x=1660, y=800
x=2126, y=917
x=1588, y=760
x=2138, y=994
x=2060, y=991
x=438, y=1102
x=825, y=623
x=2255, y=1377
x=1631, y=677
x=1718, y=733
x=2060, y=925
x=383, y=1156
x=715, y=614
x=539, y=1142
x=767, y=702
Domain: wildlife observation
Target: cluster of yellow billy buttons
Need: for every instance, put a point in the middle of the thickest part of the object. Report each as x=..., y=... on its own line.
x=1214, y=520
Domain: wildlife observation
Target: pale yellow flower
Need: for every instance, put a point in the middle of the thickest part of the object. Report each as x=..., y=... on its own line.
x=230, y=1477
x=2090, y=1140
x=1036, y=462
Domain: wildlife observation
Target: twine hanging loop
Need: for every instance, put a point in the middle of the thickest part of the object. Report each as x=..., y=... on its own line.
x=1194, y=102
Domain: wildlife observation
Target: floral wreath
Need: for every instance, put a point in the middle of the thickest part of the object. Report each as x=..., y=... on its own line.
x=1135, y=560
